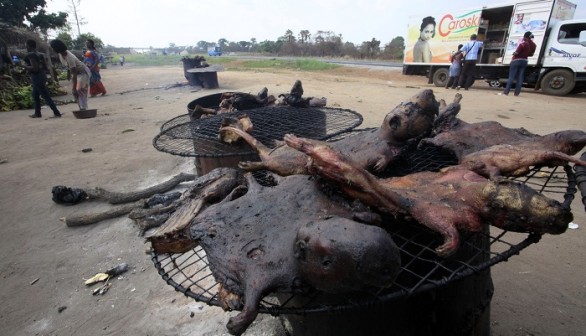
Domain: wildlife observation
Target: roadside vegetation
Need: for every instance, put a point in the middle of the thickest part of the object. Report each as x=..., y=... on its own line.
x=233, y=63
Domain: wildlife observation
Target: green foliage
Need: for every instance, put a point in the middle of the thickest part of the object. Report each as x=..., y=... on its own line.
x=394, y=49
x=16, y=98
x=67, y=39
x=19, y=97
x=232, y=63
x=16, y=12
x=44, y=21
x=61, y=75
x=153, y=60
x=79, y=42
x=270, y=46
x=302, y=64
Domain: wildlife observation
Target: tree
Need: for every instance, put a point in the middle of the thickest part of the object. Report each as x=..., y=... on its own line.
x=288, y=37
x=74, y=8
x=394, y=49
x=244, y=45
x=222, y=43
x=66, y=38
x=16, y=12
x=79, y=41
x=44, y=21
x=370, y=48
x=202, y=45
x=328, y=43
x=270, y=46
x=304, y=36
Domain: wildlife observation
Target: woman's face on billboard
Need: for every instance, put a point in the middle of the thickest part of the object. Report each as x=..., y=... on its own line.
x=427, y=32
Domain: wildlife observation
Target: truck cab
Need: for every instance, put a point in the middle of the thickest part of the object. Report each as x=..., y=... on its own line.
x=215, y=51
x=564, y=59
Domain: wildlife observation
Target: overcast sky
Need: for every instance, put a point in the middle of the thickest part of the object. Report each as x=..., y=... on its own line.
x=157, y=23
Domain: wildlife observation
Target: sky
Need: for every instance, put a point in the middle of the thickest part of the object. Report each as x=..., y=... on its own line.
x=158, y=23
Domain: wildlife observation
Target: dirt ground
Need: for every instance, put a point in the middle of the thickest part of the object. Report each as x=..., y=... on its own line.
x=44, y=263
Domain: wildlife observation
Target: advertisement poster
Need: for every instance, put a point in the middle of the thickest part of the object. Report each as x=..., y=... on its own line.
x=432, y=38
x=563, y=10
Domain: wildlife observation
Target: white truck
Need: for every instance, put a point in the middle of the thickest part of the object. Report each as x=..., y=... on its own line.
x=558, y=66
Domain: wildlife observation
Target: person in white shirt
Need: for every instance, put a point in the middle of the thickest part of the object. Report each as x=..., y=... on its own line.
x=77, y=72
x=470, y=51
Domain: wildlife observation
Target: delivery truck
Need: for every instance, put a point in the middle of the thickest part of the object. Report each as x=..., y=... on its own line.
x=558, y=66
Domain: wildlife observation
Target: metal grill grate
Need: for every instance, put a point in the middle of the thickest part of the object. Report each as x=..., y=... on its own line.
x=422, y=270
x=199, y=138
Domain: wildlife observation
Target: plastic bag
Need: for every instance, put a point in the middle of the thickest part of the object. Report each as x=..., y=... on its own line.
x=68, y=196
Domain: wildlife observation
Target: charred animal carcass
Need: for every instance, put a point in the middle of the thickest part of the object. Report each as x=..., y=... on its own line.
x=281, y=239
x=493, y=150
x=510, y=160
x=371, y=149
x=463, y=138
x=295, y=98
x=239, y=101
x=447, y=201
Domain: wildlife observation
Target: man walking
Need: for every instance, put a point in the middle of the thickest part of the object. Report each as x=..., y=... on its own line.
x=470, y=50
x=33, y=63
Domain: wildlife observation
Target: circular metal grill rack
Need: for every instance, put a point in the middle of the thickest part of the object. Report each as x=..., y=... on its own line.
x=421, y=271
x=199, y=138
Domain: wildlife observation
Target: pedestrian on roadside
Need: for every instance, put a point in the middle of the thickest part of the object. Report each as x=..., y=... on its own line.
x=35, y=65
x=121, y=60
x=524, y=50
x=96, y=85
x=470, y=51
x=77, y=72
x=455, y=68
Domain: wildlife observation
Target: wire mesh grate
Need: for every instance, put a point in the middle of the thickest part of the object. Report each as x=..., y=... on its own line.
x=199, y=138
x=421, y=270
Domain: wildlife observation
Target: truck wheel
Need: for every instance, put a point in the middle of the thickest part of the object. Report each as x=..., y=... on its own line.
x=441, y=77
x=558, y=82
x=495, y=83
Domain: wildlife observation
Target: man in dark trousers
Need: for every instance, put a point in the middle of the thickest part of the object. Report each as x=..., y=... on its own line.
x=33, y=65
x=470, y=50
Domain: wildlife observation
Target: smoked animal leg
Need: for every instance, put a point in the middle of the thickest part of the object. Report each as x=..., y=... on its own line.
x=238, y=324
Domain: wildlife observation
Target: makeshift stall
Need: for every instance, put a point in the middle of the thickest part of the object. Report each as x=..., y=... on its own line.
x=432, y=295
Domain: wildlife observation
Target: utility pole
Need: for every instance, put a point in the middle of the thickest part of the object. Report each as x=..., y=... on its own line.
x=78, y=19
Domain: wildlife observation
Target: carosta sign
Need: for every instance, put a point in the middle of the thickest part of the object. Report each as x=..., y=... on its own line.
x=449, y=30
x=456, y=25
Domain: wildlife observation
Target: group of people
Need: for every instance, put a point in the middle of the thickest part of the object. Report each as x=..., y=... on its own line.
x=463, y=63
x=464, y=59
x=85, y=76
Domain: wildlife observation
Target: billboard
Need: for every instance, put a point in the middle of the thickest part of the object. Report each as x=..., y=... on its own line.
x=432, y=38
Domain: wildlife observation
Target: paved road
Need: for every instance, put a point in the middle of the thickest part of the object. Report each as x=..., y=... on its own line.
x=369, y=64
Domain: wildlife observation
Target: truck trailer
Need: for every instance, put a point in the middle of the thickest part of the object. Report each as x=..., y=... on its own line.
x=558, y=66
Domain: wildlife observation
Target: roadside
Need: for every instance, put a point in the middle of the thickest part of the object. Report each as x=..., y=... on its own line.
x=44, y=264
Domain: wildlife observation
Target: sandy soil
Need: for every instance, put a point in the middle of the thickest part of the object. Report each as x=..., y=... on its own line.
x=44, y=263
